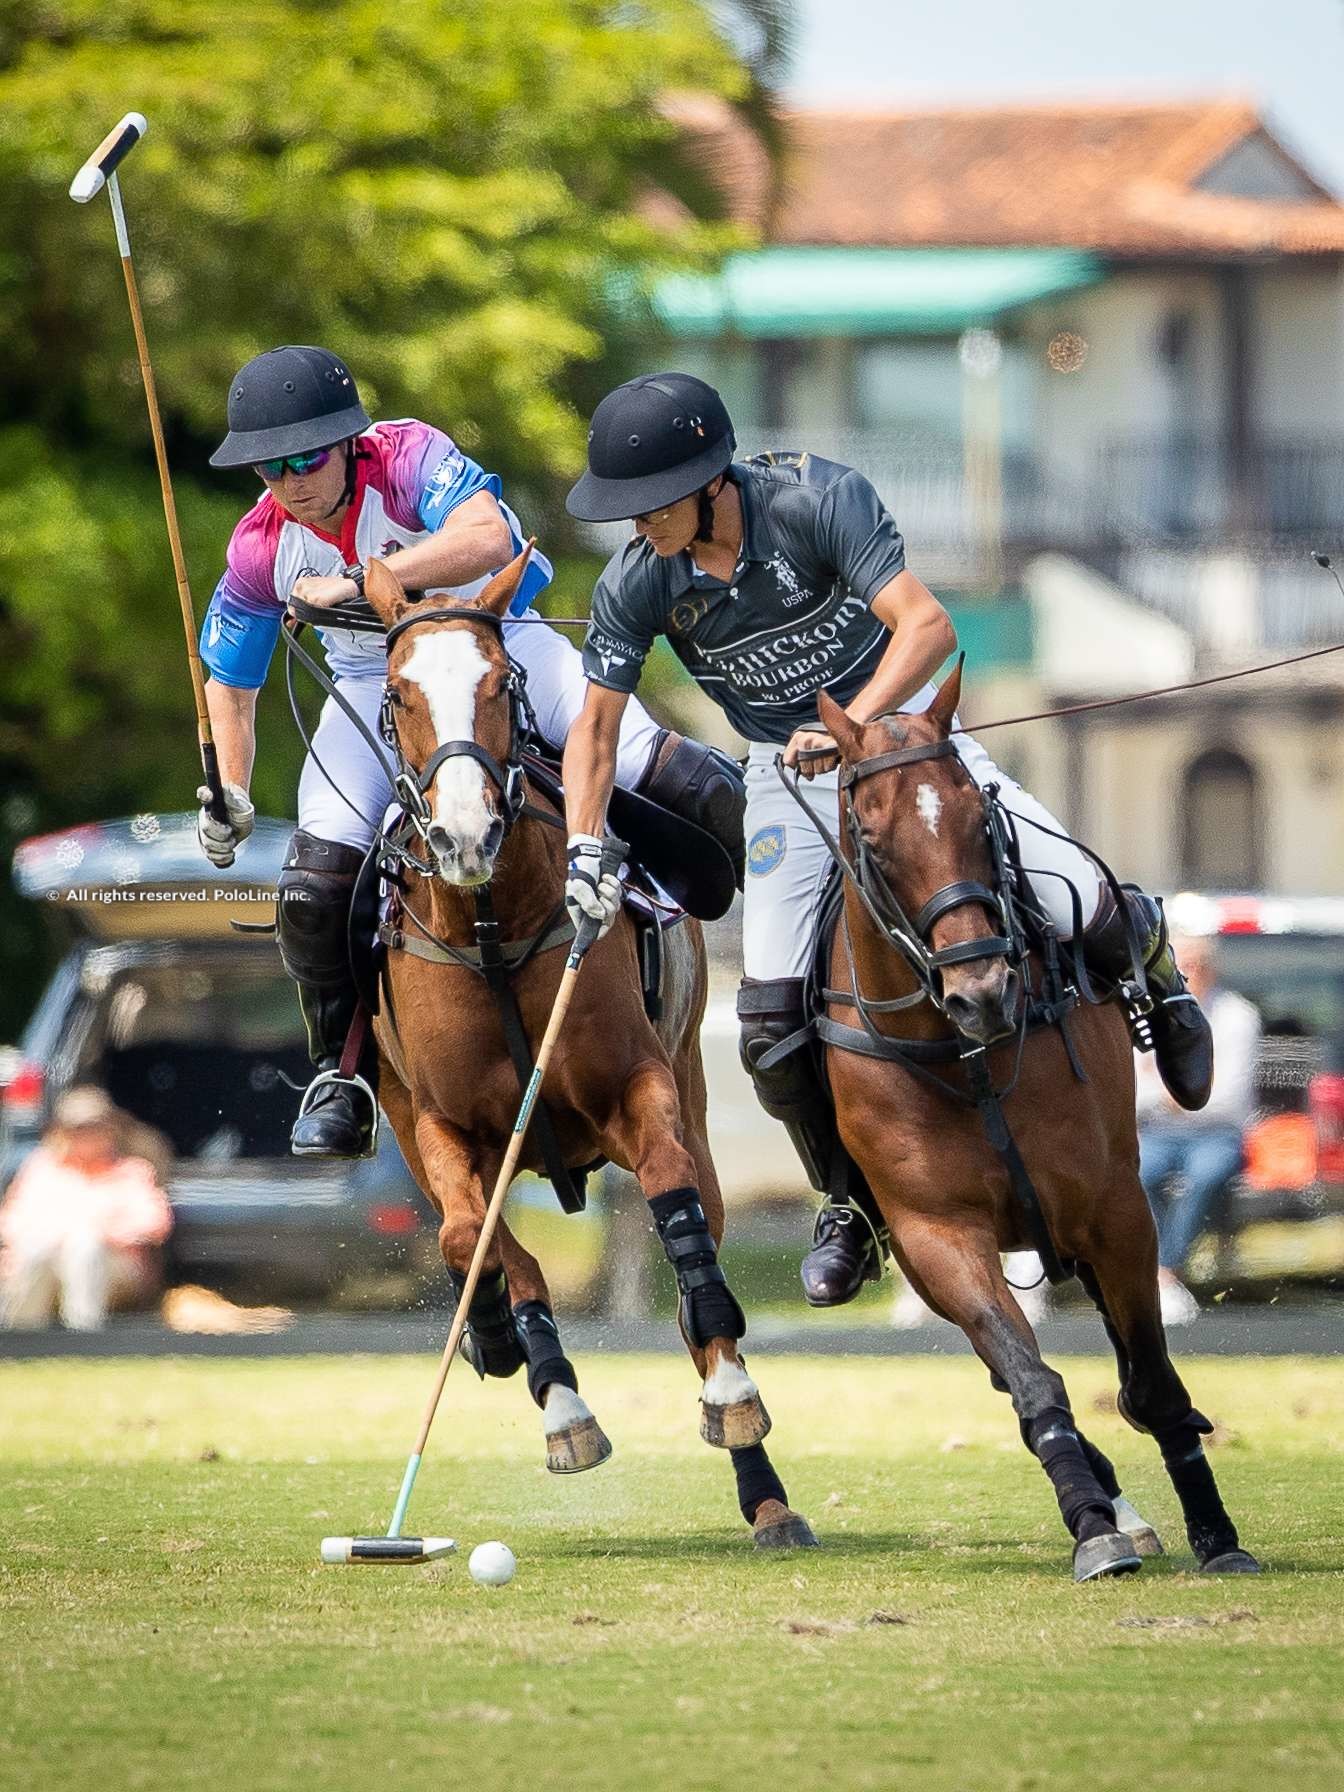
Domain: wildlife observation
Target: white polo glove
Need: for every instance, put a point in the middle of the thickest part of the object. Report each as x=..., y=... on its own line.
x=590, y=893
x=219, y=839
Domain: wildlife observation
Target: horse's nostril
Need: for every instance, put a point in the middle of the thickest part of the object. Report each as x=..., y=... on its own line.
x=494, y=838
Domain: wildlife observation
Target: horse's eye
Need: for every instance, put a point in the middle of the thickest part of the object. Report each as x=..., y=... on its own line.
x=395, y=698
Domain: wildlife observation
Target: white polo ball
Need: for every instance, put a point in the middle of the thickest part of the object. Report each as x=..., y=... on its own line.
x=492, y=1564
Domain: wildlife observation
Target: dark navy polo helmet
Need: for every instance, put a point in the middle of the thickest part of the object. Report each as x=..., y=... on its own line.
x=654, y=440
x=289, y=401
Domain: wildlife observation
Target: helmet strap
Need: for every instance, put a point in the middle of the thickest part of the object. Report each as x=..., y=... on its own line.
x=347, y=496
x=704, y=528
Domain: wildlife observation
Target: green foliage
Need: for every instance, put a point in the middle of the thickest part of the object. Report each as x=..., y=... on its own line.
x=447, y=193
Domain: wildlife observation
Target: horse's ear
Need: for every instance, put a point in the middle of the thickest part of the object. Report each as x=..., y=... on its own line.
x=943, y=709
x=384, y=591
x=843, y=732
x=503, y=588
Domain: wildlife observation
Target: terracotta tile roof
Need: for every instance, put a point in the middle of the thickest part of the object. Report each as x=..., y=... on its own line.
x=1116, y=179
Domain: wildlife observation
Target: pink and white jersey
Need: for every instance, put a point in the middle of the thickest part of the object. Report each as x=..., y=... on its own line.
x=410, y=477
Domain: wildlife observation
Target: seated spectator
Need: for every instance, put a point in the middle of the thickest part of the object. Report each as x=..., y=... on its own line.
x=82, y=1222
x=1202, y=1151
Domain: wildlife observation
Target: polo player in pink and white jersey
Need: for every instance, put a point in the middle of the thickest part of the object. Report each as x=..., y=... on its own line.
x=341, y=490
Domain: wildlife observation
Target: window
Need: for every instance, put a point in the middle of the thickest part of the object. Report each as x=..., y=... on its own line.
x=1221, y=822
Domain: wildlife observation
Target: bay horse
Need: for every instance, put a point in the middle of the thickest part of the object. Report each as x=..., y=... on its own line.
x=618, y=1087
x=918, y=839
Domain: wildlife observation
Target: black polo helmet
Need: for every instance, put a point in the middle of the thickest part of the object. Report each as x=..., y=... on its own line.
x=289, y=401
x=654, y=440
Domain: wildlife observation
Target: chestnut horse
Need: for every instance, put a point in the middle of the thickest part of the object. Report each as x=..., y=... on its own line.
x=943, y=1190
x=618, y=1086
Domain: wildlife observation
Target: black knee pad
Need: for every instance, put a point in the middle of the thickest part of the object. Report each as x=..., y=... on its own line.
x=709, y=1308
x=547, y=1364
x=312, y=913
x=490, y=1342
x=708, y=788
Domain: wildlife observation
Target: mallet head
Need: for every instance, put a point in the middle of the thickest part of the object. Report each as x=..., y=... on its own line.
x=118, y=144
x=386, y=1549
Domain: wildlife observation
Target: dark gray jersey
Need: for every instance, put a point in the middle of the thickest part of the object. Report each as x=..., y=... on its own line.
x=818, y=544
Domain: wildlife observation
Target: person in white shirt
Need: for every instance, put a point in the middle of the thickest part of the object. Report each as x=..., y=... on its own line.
x=82, y=1223
x=1204, y=1150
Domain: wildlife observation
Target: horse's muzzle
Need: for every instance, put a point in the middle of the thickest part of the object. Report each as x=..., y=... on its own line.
x=984, y=1004
x=461, y=862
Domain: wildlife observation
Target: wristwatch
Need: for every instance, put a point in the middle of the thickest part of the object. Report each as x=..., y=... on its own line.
x=355, y=574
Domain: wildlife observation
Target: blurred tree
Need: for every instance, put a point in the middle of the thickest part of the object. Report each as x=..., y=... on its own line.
x=447, y=193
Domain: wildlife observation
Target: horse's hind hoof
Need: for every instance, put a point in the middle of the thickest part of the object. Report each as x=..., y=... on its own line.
x=577, y=1447
x=1110, y=1553
x=776, y=1527
x=1136, y=1527
x=1232, y=1561
x=734, y=1427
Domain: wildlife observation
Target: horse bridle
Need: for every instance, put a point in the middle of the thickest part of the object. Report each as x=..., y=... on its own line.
x=911, y=935
x=412, y=787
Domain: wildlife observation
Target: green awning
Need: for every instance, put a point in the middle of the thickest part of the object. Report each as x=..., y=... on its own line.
x=867, y=292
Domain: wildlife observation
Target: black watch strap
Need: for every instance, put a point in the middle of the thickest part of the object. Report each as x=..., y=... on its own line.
x=355, y=574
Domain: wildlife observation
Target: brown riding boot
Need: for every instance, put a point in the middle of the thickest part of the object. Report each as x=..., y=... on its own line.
x=1181, y=1040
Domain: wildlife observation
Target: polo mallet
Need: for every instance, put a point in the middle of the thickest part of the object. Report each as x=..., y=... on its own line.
x=98, y=172
x=394, y=1547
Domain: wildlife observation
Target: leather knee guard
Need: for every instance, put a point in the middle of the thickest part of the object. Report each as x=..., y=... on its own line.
x=1106, y=940
x=313, y=910
x=790, y=1089
x=704, y=785
x=709, y=1308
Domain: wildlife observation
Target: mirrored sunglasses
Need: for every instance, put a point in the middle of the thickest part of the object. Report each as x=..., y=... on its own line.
x=292, y=463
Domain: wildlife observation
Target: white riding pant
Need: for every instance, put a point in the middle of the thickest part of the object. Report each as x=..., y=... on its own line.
x=556, y=688
x=79, y=1273
x=788, y=862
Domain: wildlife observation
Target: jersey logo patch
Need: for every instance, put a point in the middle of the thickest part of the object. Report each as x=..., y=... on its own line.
x=765, y=851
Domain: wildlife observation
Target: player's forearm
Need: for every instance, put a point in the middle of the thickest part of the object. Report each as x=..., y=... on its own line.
x=455, y=555
x=589, y=772
x=922, y=638
x=233, y=722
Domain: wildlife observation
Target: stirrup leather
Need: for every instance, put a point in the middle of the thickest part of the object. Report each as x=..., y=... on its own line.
x=325, y=1078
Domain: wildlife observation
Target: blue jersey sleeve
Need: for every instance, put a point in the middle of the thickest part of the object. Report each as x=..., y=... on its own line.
x=455, y=479
x=238, y=638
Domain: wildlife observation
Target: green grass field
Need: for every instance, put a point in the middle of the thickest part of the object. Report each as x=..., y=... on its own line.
x=164, y=1621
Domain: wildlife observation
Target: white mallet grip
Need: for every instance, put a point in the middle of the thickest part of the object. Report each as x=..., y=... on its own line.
x=114, y=148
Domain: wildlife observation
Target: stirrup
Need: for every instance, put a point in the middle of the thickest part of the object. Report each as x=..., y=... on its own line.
x=356, y=1081
x=875, y=1245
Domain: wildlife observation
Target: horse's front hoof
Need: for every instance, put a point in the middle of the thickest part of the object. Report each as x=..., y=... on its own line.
x=577, y=1447
x=1099, y=1557
x=1135, y=1526
x=734, y=1427
x=776, y=1527
x=1232, y=1561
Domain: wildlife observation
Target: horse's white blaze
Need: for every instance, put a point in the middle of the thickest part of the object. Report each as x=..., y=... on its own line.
x=563, y=1408
x=448, y=666
x=930, y=807
x=727, y=1383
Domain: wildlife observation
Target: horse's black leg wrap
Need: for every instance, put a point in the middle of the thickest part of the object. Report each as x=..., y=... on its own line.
x=490, y=1342
x=1207, y=1525
x=1083, y=1504
x=708, y=1306
x=547, y=1364
x=757, y=1481
x=1102, y=1467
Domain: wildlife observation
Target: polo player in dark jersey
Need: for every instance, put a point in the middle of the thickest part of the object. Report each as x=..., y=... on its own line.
x=773, y=579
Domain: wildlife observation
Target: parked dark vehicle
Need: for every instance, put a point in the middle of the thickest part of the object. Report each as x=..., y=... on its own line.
x=1285, y=955
x=194, y=1028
